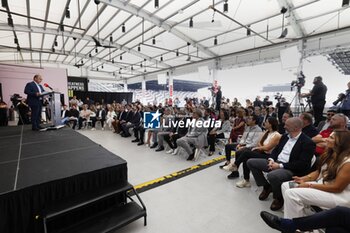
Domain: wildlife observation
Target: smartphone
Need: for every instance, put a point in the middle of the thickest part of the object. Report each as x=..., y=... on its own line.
x=293, y=184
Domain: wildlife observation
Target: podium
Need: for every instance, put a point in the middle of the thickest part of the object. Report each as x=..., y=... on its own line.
x=54, y=99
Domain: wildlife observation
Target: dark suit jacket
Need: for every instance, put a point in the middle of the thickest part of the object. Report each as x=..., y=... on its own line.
x=32, y=99
x=103, y=115
x=300, y=156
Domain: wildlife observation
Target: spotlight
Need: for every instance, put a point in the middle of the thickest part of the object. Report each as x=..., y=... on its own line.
x=55, y=43
x=123, y=28
x=284, y=10
x=225, y=6
x=191, y=22
x=156, y=4
x=215, y=41
x=10, y=21
x=111, y=39
x=121, y=57
x=345, y=3
x=161, y=58
x=177, y=53
x=249, y=32
x=154, y=40
x=90, y=55
x=82, y=62
x=67, y=13
x=96, y=50
x=139, y=48
x=4, y=3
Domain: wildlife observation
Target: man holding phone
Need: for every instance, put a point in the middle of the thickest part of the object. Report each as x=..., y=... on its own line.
x=292, y=156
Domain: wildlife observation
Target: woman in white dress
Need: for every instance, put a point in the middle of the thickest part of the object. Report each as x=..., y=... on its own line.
x=328, y=186
x=110, y=116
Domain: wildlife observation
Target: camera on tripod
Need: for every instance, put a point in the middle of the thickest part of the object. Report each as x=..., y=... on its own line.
x=278, y=96
x=15, y=99
x=341, y=97
x=299, y=83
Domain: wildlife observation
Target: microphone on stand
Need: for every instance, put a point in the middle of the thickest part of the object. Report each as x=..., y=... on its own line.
x=48, y=86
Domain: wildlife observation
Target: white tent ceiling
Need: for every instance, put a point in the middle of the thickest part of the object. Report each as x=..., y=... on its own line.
x=36, y=25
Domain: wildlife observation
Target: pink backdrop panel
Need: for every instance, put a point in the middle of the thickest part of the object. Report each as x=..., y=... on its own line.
x=14, y=78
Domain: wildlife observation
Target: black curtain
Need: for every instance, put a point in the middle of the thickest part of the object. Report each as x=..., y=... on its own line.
x=108, y=97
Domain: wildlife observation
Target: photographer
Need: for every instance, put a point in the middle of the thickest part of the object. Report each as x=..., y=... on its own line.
x=218, y=99
x=345, y=101
x=318, y=98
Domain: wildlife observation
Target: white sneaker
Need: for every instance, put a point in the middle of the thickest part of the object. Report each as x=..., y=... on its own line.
x=231, y=167
x=175, y=151
x=243, y=184
x=170, y=151
x=93, y=129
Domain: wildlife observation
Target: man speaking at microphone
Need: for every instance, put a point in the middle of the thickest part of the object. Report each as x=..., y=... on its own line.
x=33, y=90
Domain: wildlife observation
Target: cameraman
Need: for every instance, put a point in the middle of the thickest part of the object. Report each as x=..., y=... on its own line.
x=318, y=98
x=218, y=99
x=345, y=102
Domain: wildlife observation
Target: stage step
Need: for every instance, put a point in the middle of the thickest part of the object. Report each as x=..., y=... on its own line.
x=108, y=221
x=82, y=200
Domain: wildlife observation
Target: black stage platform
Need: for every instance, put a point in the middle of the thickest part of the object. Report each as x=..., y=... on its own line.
x=39, y=170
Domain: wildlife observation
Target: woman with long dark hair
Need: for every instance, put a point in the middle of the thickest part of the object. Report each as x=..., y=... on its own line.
x=328, y=186
x=265, y=146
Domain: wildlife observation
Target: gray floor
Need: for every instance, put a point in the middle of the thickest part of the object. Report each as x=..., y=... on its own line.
x=205, y=201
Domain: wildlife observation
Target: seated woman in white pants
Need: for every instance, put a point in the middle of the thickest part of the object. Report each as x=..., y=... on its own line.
x=328, y=186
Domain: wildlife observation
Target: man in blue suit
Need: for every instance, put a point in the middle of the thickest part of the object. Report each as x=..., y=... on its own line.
x=33, y=90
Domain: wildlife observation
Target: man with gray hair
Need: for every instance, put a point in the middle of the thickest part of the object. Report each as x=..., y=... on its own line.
x=291, y=157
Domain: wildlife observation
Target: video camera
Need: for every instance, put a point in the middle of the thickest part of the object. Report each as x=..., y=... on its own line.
x=278, y=96
x=15, y=99
x=341, y=97
x=299, y=83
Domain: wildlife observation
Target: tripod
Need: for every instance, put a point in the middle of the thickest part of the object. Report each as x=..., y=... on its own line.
x=299, y=106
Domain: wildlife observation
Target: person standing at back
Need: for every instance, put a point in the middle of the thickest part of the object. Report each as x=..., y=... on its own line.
x=33, y=90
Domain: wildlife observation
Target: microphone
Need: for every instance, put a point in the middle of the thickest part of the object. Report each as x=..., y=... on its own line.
x=48, y=86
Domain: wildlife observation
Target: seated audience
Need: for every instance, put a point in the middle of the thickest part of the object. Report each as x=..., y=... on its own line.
x=168, y=118
x=308, y=128
x=336, y=220
x=338, y=121
x=269, y=140
x=216, y=133
x=196, y=136
x=121, y=117
x=110, y=116
x=84, y=115
x=177, y=133
x=291, y=157
x=323, y=125
x=326, y=187
x=238, y=125
x=100, y=116
x=285, y=117
x=133, y=123
x=249, y=140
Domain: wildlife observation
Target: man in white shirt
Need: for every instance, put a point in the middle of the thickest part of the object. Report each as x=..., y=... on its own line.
x=291, y=157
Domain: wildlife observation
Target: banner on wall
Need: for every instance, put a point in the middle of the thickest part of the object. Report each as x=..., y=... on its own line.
x=76, y=84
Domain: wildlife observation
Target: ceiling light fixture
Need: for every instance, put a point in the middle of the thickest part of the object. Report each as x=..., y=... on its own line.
x=53, y=49
x=139, y=48
x=121, y=57
x=249, y=32
x=96, y=50
x=55, y=43
x=161, y=58
x=154, y=40
x=16, y=40
x=284, y=30
x=225, y=6
x=191, y=22
x=67, y=13
x=156, y=4
x=10, y=21
x=177, y=53
x=215, y=41
x=123, y=28
x=111, y=38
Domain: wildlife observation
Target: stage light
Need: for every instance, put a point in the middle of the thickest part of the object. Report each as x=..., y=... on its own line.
x=10, y=21
x=67, y=13
x=4, y=3
x=123, y=28
x=191, y=22
x=97, y=2
x=284, y=10
x=215, y=41
x=139, y=48
x=345, y=3
x=154, y=40
x=225, y=6
x=156, y=4
x=111, y=38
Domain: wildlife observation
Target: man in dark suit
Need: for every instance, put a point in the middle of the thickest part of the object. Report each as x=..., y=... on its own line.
x=291, y=157
x=218, y=99
x=33, y=90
